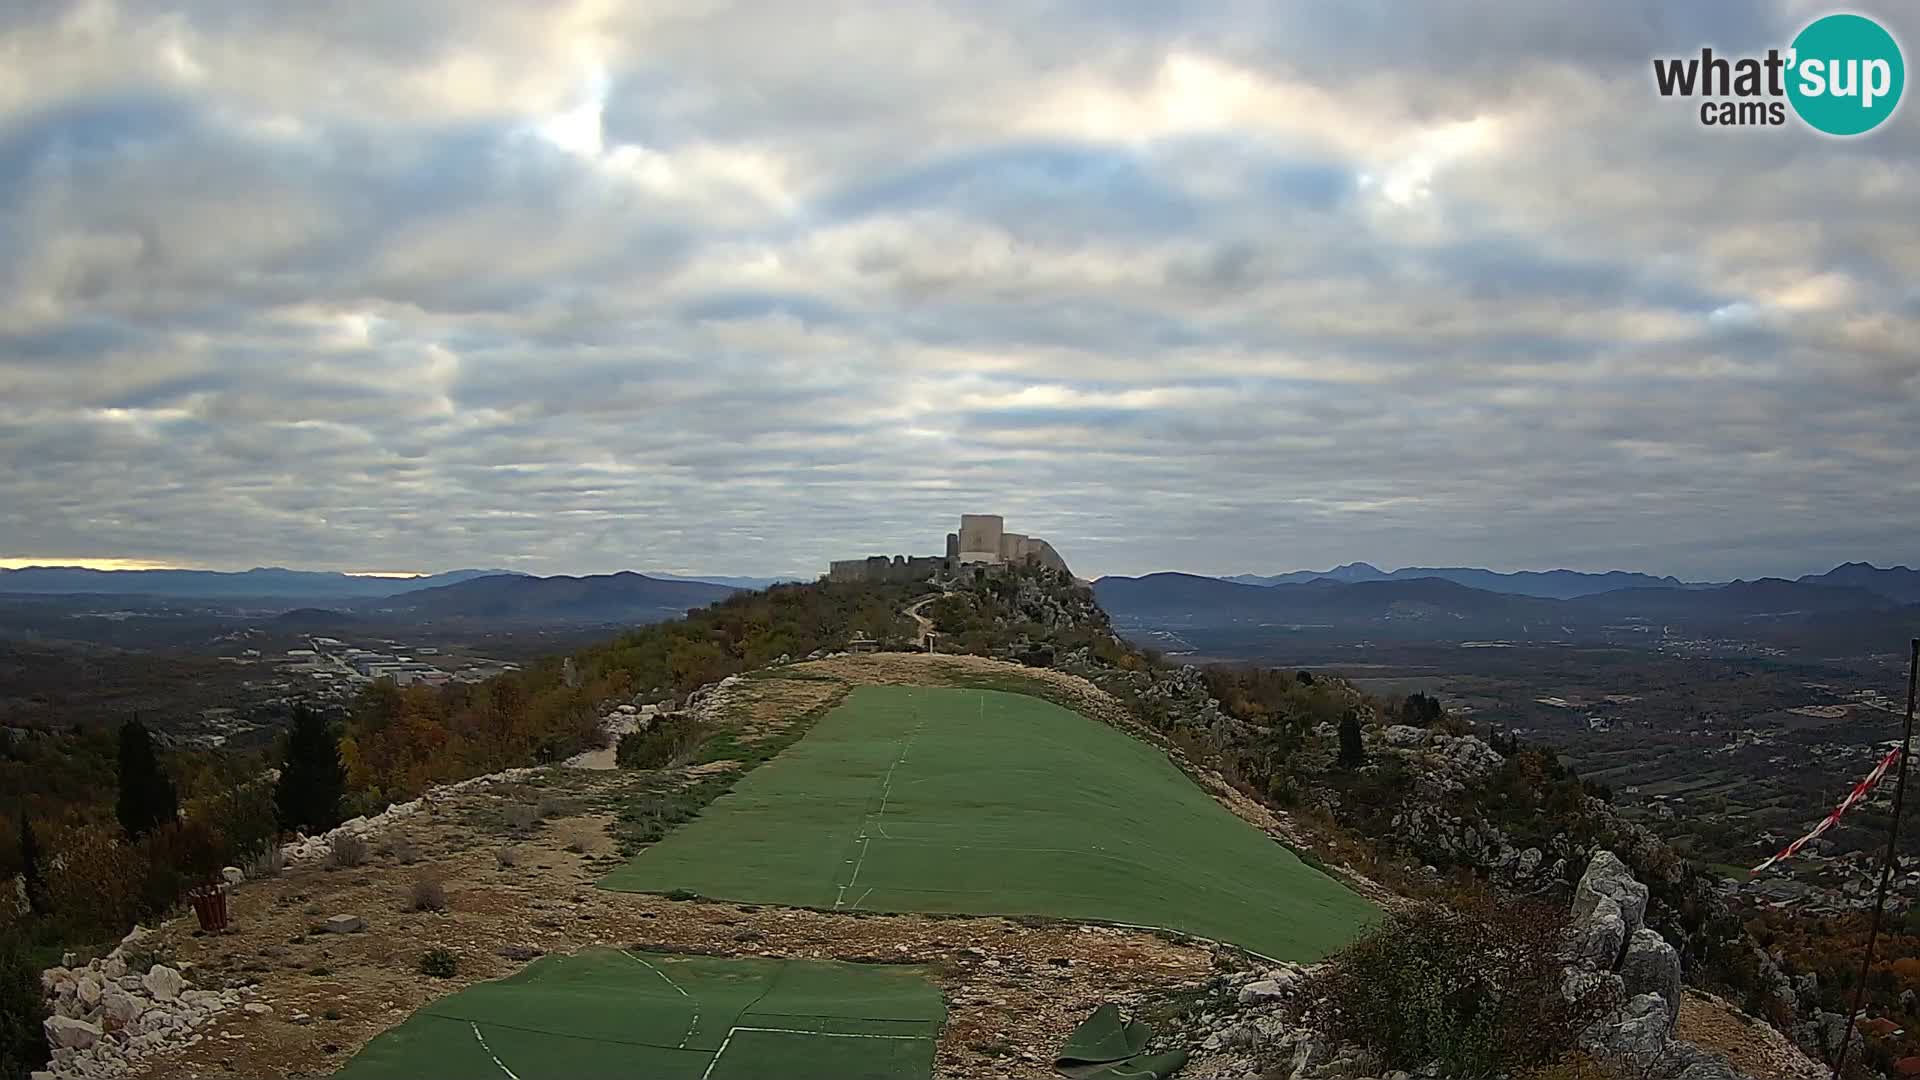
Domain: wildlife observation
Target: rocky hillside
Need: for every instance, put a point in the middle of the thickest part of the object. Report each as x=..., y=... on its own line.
x=1412, y=808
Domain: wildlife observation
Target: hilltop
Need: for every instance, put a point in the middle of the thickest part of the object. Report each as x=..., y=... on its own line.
x=1428, y=813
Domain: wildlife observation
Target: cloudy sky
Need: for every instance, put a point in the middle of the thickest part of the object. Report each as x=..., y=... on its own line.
x=577, y=287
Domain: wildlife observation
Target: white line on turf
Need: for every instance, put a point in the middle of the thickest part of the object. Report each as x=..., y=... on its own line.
x=724, y=1043
x=886, y=794
x=695, y=1022
x=489, y=1050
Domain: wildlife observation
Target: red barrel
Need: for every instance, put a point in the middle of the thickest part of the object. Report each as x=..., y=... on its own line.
x=210, y=904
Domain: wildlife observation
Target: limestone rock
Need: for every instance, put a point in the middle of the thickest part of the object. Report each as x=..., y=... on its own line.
x=1263, y=992
x=1635, y=1033
x=1651, y=966
x=1406, y=735
x=1600, y=934
x=1608, y=878
x=232, y=875
x=345, y=924
x=73, y=1034
x=1711, y=1068
x=163, y=982
x=119, y=1008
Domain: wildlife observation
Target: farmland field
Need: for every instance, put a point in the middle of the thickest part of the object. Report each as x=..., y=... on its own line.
x=916, y=799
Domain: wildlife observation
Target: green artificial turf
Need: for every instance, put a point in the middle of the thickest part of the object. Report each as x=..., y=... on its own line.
x=982, y=802
x=607, y=1013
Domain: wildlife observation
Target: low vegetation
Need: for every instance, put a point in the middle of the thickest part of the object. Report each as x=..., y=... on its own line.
x=1474, y=984
x=439, y=962
x=428, y=895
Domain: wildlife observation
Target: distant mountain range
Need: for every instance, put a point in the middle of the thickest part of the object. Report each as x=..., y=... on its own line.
x=260, y=583
x=1895, y=583
x=1551, y=584
x=750, y=583
x=1436, y=608
x=622, y=597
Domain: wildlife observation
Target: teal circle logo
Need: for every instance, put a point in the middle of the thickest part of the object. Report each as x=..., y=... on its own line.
x=1846, y=74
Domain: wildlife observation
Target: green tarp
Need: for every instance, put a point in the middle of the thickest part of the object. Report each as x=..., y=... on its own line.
x=943, y=800
x=1104, y=1047
x=605, y=1013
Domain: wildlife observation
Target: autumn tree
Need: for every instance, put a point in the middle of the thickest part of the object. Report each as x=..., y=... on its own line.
x=147, y=798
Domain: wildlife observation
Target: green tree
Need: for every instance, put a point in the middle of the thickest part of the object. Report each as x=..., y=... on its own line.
x=147, y=799
x=30, y=870
x=1352, y=753
x=23, y=1012
x=313, y=779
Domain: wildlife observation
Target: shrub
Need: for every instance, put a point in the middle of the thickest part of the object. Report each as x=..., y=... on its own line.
x=439, y=962
x=508, y=858
x=347, y=851
x=267, y=864
x=1474, y=986
x=670, y=741
x=93, y=880
x=178, y=856
x=429, y=895
x=23, y=1011
x=404, y=851
x=1576, y=1065
x=551, y=807
x=521, y=818
x=247, y=820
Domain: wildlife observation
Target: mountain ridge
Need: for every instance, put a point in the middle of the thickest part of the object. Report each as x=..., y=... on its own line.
x=626, y=596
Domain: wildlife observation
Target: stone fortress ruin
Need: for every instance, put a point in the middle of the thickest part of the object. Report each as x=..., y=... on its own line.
x=983, y=543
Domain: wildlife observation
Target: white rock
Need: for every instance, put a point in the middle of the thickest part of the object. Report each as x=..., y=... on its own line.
x=68, y=1032
x=88, y=989
x=345, y=924
x=258, y=1008
x=163, y=982
x=232, y=875
x=114, y=966
x=119, y=1008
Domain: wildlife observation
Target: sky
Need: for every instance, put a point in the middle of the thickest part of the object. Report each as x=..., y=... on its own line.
x=574, y=287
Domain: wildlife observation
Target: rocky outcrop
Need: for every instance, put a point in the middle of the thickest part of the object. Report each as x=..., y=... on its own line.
x=1612, y=955
x=104, y=1017
x=1651, y=966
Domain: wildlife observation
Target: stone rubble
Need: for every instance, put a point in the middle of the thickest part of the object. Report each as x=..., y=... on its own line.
x=104, y=1017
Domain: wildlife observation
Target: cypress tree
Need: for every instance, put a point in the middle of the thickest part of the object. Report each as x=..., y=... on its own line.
x=1352, y=753
x=147, y=799
x=313, y=780
x=30, y=867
